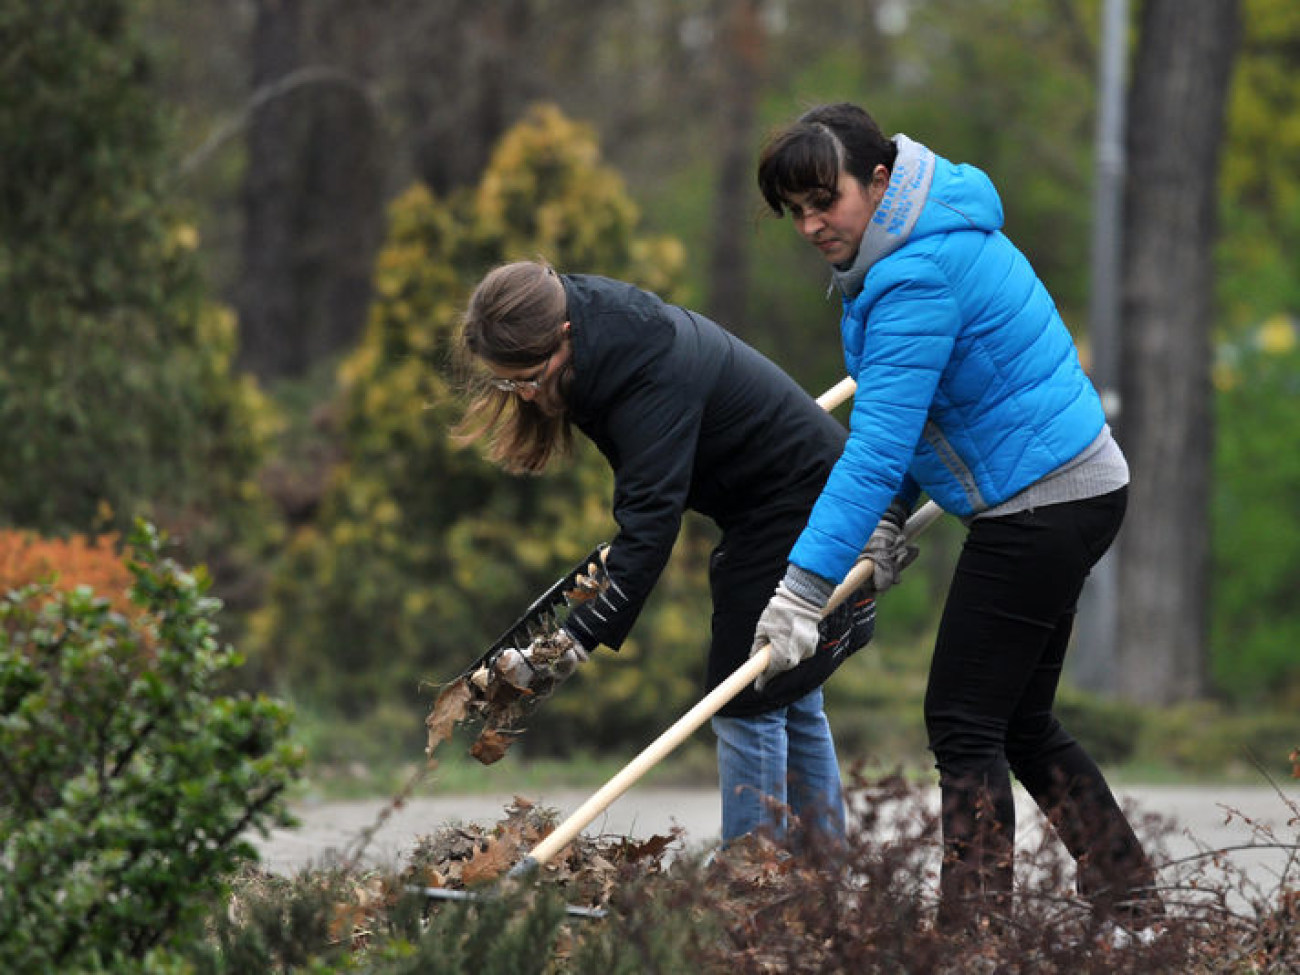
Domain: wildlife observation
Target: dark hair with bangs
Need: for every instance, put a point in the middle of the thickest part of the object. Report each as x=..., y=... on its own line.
x=807, y=156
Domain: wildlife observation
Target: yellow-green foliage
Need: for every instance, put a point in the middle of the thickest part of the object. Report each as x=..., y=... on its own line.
x=1260, y=181
x=424, y=552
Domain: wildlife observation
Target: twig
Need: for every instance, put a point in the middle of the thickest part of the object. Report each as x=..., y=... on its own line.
x=311, y=75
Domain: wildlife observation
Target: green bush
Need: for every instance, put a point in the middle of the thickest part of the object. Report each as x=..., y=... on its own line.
x=127, y=780
x=1206, y=738
x=873, y=703
x=1108, y=729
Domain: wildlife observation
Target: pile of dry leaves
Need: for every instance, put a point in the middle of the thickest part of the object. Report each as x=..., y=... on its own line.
x=465, y=857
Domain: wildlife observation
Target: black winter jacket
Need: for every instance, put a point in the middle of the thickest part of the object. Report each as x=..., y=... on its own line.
x=689, y=417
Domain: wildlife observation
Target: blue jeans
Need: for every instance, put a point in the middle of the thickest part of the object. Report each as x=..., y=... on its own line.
x=778, y=763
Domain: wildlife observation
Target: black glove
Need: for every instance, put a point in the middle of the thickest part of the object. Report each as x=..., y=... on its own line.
x=888, y=548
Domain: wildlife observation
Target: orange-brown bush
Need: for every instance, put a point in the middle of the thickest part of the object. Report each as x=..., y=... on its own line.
x=66, y=563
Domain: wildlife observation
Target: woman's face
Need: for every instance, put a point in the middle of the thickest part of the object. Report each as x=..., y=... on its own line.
x=835, y=224
x=540, y=384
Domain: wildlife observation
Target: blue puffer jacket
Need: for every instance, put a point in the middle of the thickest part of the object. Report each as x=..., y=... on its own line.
x=969, y=386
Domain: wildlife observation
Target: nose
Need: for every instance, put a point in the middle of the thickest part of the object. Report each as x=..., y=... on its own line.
x=809, y=224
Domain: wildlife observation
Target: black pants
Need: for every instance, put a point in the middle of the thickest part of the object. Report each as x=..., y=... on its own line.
x=988, y=709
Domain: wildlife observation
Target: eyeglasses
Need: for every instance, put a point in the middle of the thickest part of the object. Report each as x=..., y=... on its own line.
x=523, y=385
x=515, y=385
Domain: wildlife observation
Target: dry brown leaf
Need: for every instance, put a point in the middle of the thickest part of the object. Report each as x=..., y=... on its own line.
x=447, y=711
x=500, y=694
x=346, y=919
x=491, y=861
x=354, y=915
x=653, y=849
x=491, y=745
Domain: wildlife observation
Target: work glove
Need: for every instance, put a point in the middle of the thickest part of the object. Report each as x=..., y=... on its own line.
x=572, y=653
x=789, y=623
x=888, y=548
x=555, y=655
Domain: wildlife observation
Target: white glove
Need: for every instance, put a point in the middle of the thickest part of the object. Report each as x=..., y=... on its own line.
x=557, y=655
x=572, y=654
x=789, y=626
x=889, y=550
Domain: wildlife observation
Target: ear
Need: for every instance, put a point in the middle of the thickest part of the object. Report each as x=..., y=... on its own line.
x=879, y=183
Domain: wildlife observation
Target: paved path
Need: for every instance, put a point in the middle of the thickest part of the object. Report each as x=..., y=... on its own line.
x=1203, y=818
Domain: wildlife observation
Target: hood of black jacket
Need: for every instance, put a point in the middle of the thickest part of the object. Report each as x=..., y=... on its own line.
x=617, y=331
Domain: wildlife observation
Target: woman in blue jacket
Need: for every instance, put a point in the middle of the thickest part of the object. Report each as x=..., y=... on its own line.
x=970, y=389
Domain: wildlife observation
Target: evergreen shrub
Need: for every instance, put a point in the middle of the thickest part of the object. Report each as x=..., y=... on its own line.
x=128, y=780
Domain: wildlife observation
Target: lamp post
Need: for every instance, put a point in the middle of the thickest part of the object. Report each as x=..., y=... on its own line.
x=1093, y=665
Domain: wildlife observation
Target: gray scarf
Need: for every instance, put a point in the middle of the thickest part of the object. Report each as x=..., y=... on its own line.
x=909, y=186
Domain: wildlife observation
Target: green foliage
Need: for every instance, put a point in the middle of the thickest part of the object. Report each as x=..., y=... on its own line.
x=424, y=552
x=1108, y=729
x=507, y=936
x=1204, y=738
x=128, y=781
x=1260, y=186
x=116, y=396
x=1255, y=620
x=282, y=924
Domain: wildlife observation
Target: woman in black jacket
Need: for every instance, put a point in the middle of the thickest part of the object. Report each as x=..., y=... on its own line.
x=689, y=417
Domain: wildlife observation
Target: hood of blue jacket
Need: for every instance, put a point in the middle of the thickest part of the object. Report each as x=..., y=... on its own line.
x=926, y=195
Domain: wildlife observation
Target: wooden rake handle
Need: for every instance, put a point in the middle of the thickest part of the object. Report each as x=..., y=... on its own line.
x=711, y=703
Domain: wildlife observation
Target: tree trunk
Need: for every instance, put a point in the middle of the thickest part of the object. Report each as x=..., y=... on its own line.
x=264, y=296
x=740, y=54
x=313, y=191
x=480, y=73
x=1175, y=131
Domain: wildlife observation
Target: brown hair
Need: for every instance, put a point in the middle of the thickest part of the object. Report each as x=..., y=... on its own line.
x=807, y=155
x=515, y=318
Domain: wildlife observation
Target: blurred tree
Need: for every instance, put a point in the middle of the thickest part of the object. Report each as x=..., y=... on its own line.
x=116, y=397
x=690, y=75
x=453, y=76
x=468, y=69
x=424, y=552
x=1260, y=204
x=741, y=44
x=1007, y=87
x=1256, y=567
x=314, y=186
x=1175, y=138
